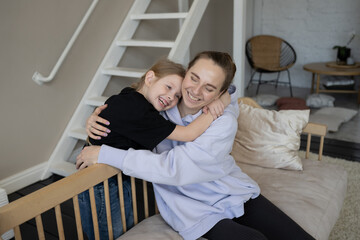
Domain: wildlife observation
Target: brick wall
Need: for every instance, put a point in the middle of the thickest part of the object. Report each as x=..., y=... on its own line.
x=312, y=27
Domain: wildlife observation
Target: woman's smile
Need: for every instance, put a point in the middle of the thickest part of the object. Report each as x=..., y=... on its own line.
x=192, y=97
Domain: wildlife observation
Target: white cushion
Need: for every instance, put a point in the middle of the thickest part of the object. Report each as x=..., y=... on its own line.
x=313, y=197
x=333, y=117
x=152, y=228
x=269, y=138
x=266, y=100
x=317, y=100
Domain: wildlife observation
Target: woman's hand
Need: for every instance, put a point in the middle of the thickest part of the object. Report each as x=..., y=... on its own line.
x=87, y=157
x=92, y=124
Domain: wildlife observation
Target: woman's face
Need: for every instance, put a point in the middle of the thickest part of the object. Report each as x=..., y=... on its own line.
x=201, y=85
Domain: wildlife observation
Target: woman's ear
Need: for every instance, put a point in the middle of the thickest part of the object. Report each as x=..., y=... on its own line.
x=149, y=78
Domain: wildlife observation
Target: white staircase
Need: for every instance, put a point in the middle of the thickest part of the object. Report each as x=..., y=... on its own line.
x=74, y=132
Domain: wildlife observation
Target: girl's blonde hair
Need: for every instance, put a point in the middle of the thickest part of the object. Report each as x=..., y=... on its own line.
x=162, y=68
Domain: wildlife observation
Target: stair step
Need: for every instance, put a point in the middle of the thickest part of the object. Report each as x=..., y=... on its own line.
x=150, y=16
x=124, y=72
x=145, y=43
x=63, y=168
x=78, y=133
x=96, y=101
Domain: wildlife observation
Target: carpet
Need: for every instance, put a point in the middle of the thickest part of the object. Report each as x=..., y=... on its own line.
x=347, y=226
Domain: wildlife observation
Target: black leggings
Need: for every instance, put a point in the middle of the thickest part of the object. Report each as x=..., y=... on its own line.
x=262, y=220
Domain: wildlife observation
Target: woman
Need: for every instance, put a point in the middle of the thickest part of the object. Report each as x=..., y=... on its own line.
x=199, y=189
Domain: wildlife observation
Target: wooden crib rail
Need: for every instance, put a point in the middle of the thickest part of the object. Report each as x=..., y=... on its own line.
x=33, y=205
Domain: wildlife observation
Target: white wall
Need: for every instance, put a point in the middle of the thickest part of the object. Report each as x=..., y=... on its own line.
x=312, y=27
x=33, y=34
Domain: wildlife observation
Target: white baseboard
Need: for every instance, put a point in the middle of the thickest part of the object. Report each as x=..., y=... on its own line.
x=24, y=178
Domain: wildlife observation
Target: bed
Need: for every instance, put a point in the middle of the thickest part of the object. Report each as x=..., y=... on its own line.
x=307, y=214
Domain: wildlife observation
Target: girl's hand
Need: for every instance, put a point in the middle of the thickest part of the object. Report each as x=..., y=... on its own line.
x=87, y=157
x=92, y=124
x=216, y=108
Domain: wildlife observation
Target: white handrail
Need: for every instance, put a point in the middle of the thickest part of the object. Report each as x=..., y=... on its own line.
x=38, y=77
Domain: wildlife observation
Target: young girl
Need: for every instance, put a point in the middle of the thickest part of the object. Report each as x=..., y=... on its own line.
x=136, y=123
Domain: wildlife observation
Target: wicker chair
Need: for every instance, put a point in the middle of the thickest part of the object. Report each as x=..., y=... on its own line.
x=269, y=54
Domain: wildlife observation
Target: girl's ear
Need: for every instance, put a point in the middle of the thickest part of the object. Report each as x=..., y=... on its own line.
x=149, y=78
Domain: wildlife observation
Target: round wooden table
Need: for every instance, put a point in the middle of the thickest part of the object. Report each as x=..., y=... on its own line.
x=331, y=68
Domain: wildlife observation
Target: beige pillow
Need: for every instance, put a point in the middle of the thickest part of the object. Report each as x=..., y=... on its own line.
x=269, y=138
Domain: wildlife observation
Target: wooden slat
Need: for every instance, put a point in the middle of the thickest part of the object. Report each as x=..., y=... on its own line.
x=146, y=204
x=133, y=195
x=17, y=233
x=59, y=222
x=94, y=214
x=108, y=209
x=122, y=205
x=321, y=147
x=308, y=146
x=156, y=208
x=39, y=227
x=78, y=218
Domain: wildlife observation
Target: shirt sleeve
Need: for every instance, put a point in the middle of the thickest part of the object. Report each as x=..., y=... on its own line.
x=205, y=159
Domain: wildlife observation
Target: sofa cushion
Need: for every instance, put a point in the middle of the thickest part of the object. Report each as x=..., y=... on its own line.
x=269, y=138
x=266, y=100
x=333, y=117
x=313, y=197
x=318, y=100
x=152, y=228
x=287, y=103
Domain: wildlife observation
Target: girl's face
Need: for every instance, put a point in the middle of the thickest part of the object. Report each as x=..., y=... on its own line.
x=164, y=93
x=201, y=85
